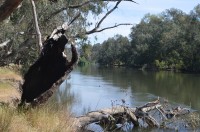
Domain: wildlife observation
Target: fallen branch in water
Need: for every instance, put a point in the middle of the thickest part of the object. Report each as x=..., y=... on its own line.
x=142, y=116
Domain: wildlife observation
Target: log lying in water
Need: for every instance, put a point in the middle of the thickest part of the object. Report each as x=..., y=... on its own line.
x=139, y=116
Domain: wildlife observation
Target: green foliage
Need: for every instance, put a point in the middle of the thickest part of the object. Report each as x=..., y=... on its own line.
x=170, y=40
x=86, y=51
x=83, y=61
x=113, y=51
x=160, y=64
x=85, y=54
x=19, y=27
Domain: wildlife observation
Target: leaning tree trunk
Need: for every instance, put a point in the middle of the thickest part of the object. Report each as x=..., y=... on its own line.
x=49, y=71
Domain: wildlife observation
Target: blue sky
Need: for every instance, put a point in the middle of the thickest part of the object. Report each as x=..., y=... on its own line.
x=128, y=12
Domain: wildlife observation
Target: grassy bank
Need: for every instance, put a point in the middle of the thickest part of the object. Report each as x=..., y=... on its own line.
x=43, y=119
x=8, y=91
x=47, y=118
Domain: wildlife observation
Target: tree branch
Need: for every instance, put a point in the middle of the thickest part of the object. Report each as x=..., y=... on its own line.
x=4, y=43
x=117, y=25
x=81, y=5
x=122, y=0
x=8, y=7
x=61, y=29
x=87, y=2
x=108, y=13
x=39, y=36
x=95, y=29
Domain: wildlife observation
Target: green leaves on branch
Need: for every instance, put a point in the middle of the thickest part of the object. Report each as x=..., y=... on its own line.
x=169, y=40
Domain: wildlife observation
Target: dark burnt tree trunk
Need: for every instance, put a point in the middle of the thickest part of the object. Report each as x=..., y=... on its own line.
x=48, y=72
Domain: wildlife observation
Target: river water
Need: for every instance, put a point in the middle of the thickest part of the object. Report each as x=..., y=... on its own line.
x=91, y=88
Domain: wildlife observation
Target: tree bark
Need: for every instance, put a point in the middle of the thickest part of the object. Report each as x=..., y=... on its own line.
x=48, y=72
x=8, y=7
x=39, y=36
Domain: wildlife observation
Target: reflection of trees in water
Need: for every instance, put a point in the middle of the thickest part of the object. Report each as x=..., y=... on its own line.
x=178, y=87
x=64, y=97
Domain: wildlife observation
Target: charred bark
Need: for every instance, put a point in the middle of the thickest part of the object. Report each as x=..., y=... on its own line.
x=48, y=72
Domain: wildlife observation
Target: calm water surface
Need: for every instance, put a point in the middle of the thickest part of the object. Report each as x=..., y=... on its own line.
x=92, y=88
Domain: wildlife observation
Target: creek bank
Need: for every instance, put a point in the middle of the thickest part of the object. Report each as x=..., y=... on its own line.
x=10, y=82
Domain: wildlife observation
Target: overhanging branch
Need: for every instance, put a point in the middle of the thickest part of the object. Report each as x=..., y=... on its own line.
x=81, y=5
x=117, y=25
x=95, y=29
x=89, y=1
x=108, y=13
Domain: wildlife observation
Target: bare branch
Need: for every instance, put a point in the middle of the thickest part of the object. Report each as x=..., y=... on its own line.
x=122, y=0
x=103, y=18
x=4, y=43
x=117, y=25
x=77, y=15
x=39, y=36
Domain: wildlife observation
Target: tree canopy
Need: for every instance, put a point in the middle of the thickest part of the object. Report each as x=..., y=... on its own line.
x=169, y=40
x=18, y=37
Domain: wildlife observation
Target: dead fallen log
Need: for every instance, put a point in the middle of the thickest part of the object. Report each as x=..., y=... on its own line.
x=142, y=116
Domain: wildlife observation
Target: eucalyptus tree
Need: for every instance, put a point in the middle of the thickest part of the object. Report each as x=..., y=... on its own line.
x=145, y=38
x=18, y=27
x=168, y=40
x=113, y=51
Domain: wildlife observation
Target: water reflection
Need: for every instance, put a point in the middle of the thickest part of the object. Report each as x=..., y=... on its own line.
x=178, y=87
x=91, y=88
x=64, y=97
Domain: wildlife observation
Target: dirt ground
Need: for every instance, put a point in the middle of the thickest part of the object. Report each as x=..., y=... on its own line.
x=9, y=85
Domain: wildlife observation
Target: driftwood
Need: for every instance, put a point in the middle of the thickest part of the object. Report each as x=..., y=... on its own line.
x=139, y=116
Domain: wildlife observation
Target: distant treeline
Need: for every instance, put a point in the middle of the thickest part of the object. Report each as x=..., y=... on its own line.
x=170, y=40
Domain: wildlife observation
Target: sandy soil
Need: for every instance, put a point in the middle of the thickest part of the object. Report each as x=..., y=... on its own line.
x=9, y=85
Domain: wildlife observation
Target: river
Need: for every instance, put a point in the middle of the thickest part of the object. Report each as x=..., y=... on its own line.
x=91, y=88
